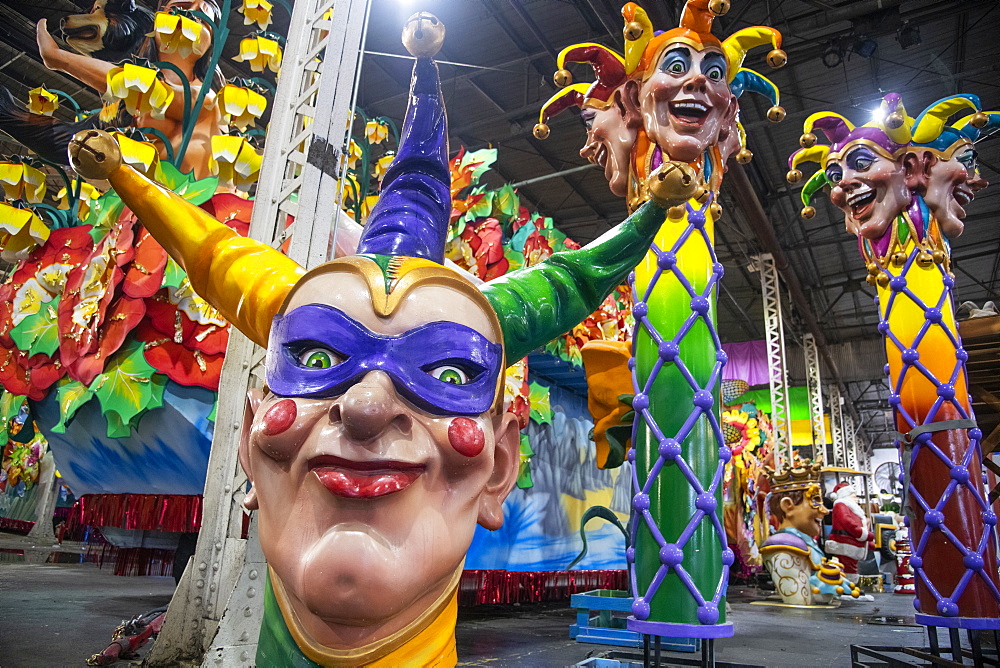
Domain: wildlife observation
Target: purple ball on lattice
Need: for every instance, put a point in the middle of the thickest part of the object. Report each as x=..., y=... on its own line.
x=909, y=356
x=728, y=557
x=708, y=613
x=668, y=351
x=897, y=283
x=917, y=561
x=725, y=454
x=989, y=517
x=894, y=399
x=670, y=449
x=666, y=260
x=700, y=305
x=631, y=455
x=946, y=391
x=641, y=502
x=722, y=357
x=703, y=399
x=949, y=281
x=962, y=355
x=696, y=218
x=705, y=502
x=883, y=328
x=973, y=561
x=718, y=269
x=906, y=518
x=630, y=554
x=959, y=474
x=640, y=310
x=631, y=363
x=976, y=434
x=933, y=314
x=671, y=555
x=640, y=402
x=934, y=518
x=885, y=369
x=640, y=608
x=916, y=601
x=947, y=608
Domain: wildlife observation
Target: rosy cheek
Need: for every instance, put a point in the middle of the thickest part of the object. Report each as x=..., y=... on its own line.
x=279, y=417
x=466, y=436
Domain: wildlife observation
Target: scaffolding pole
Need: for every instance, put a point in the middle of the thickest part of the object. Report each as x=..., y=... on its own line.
x=776, y=361
x=215, y=613
x=815, y=398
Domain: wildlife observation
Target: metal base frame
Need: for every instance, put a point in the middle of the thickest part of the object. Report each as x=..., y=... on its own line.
x=652, y=655
x=870, y=656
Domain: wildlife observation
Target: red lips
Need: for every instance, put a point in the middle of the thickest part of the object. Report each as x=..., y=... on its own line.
x=364, y=480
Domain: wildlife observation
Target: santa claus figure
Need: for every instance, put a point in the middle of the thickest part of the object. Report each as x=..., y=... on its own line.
x=851, y=537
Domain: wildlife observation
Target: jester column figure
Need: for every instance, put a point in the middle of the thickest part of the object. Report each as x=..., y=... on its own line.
x=662, y=121
x=903, y=184
x=380, y=439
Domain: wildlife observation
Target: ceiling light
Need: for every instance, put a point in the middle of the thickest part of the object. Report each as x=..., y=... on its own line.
x=833, y=56
x=864, y=46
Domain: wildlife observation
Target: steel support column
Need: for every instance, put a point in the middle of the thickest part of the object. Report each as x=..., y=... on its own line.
x=776, y=361
x=214, y=615
x=837, y=427
x=815, y=398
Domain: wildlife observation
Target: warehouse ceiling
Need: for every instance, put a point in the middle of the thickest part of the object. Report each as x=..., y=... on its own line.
x=503, y=55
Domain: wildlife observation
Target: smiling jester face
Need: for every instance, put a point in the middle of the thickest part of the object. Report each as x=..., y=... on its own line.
x=611, y=137
x=378, y=448
x=948, y=181
x=687, y=105
x=869, y=186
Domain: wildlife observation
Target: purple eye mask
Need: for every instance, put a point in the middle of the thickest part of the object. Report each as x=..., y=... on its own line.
x=408, y=359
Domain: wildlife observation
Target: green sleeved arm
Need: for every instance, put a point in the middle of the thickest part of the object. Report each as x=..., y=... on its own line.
x=539, y=303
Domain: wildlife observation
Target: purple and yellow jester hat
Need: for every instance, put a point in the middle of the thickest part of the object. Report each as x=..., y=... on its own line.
x=644, y=45
x=401, y=248
x=888, y=135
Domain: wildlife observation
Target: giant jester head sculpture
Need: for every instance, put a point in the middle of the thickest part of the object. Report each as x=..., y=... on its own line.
x=380, y=440
x=942, y=160
x=608, y=110
x=684, y=77
x=863, y=167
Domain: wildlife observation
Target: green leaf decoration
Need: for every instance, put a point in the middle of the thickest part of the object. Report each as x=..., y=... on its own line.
x=215, y=409
x=39, y=333
x=173, y=275
x=506, y=202
x=116, y=426
x=10, y=406
x=618, y=437
x=71, y=395
x=481, y=209
x=524, y=480
x=196, y=191
x=104, y=212
x=541, y=408
x=128, y=388
x=485, y=156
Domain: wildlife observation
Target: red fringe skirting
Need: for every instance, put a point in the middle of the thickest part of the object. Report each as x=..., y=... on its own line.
x=16, y=526
x=493, y=587
x=132, y=561
x=152, y=512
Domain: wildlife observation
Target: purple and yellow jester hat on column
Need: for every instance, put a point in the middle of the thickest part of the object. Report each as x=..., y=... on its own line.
x=401, y=247
x=888, y=134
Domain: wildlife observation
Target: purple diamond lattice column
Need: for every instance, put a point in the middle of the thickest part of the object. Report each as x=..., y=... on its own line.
x=679, y=560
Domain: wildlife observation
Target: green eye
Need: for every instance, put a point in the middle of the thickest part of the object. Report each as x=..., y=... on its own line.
x=677, y=67
x=450, y=374
x=318, y=358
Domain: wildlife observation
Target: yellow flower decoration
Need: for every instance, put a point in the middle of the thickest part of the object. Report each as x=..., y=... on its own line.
x=353, y=155
x=256, y=11
x=21, y=231
x=143, y=156
x=41, y=101
x=260, y=52
x=140, y=88
x=178, y=34
x=88, y=194
x=235, y=161
x=376, y=132
x=241, y=106
x=350, y=189
x=382, y=165
x=22, y=181
x=367, y=205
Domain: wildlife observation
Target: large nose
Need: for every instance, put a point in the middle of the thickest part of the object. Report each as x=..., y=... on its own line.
x=370, y=407
x=696, y=84
x=977, y=183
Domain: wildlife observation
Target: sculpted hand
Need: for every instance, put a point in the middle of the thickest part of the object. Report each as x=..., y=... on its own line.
x=47, y=46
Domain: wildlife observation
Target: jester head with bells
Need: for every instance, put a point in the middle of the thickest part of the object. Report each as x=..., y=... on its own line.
x=380, y=439
x=917, y=172
x=610, y=110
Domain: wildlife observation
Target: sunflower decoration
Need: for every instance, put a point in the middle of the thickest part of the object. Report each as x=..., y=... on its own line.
x=741, y=433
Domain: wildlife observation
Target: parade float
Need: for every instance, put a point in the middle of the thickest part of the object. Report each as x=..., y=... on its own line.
x=903, y=184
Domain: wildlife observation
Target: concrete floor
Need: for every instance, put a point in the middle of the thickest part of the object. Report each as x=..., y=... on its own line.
x=58, y=614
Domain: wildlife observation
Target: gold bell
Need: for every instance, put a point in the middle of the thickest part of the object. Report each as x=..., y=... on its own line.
x=632, y=31
x=808, y=212
x=541, y=131
x=776, y=114
x=701, y=195
x=676, y=213
x=939, y=256
x=562, y=78
x=793, y=176
x=807, y=140
x=899, y=259
x=924, y=259
x=873, y=269
x=870, y=280
x=673, y=183
x=894, y=121
x=979, y=120
x=423, y=35
x=882, y=280
x=719, y=7
x=777, y=58
x=716, y=210
x=744, y=156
